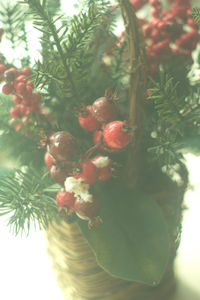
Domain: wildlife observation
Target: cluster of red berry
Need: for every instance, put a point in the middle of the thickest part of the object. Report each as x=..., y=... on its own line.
x=169, y=32
x=26, y=102
x=166, y=33
x=111, y=136
x=77, y=177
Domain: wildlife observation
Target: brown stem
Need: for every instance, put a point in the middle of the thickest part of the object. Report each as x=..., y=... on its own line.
x=137, y=88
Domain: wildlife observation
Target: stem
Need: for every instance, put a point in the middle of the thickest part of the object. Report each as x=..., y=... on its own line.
x=137, y=89
x=130, y=20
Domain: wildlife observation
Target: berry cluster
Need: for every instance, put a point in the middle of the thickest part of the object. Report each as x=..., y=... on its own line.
x=77, y=177
x=166, y=33
x=110, y=135
x=26, y=101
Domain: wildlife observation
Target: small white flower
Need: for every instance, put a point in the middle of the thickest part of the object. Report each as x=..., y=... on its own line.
x=87, y=197
x=102, y=161
x=80, y=189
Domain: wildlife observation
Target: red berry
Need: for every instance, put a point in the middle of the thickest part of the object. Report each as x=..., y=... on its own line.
x=29, y=82
x=7, y=89
x=86, y=210
x=2, y=69
x=35, y=98
x=138, y=3
x=49, y=160
x=155, y=12
x=26, y=71
x=59, y=175
x=96, y=139
x=191, y=23
x=26, y=100
x=64, y=198
x=31, y=109
x=18, y=126
x=10, y=74
x=89, y=172
x=18, y=111
x=155, y=3
x=115, y=135
x=161, y=25
x=20, y=78
x=14, y=112
x=23, y=110
x=62, y=146
x=155, y=34
x=87, y=120
x=17, y=99
x=29, y=90
x=147, y=28
x=20, y=88
x=104, y=109
x=103, y=165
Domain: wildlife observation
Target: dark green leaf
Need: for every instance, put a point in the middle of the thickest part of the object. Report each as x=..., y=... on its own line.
x=132, y=242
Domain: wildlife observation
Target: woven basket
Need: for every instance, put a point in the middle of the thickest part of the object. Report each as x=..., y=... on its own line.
x=82, y=279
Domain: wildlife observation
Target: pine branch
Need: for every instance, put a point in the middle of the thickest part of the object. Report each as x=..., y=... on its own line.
x=167, y=103
x=165, y=152
x=44, y=20
x=53, y=6
x=174, y=119
x=13, y=19
x=25, y=200
x=196, y=15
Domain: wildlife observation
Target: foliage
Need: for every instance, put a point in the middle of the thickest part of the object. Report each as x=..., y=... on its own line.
x=24, y=197
x=132, y=242
x=173, y=118
x=14, y=20
x=196, y=14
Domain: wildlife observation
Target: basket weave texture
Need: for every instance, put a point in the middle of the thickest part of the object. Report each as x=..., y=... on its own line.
x=81, y=278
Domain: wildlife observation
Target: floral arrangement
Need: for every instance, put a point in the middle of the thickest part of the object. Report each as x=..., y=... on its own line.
x=99, y=125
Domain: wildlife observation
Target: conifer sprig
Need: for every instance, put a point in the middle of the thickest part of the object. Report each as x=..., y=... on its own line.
x=166, y=101
x=67, y=51
x=13, y=19
x=46, y=24
x=196, y=15
x=24, y=200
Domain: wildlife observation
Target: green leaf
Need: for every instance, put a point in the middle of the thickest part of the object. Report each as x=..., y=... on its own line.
x=132, y=243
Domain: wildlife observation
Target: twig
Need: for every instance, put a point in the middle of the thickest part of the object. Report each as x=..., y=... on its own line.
x=137, y=89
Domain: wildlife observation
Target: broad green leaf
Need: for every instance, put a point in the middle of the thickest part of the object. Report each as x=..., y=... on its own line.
x=132, y=243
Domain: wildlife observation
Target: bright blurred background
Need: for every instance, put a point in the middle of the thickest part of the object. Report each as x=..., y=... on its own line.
x=25, y=268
